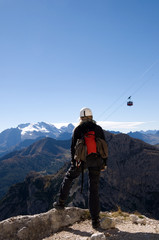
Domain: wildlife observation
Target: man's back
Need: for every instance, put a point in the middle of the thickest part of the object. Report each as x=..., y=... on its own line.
x=82, y=129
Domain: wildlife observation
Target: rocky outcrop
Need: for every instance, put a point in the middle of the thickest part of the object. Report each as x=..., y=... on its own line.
x=127, y=226
x=37, y=227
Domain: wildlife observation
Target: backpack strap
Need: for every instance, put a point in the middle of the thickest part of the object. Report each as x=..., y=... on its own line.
x=82, y=166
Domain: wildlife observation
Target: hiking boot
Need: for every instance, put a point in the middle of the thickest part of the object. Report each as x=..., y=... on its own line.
x=59, y=205
x=96, y=223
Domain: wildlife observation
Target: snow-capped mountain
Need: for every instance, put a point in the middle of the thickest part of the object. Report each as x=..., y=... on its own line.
x=11, y=138
x=32, y=131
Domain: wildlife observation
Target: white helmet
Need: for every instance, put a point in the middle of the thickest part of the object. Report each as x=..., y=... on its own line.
x=85, y=112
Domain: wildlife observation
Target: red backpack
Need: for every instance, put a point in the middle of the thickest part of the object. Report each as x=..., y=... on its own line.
x=90, y=142
x=89, y=147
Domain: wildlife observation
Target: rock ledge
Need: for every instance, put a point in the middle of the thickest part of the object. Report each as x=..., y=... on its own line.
x=41, y=225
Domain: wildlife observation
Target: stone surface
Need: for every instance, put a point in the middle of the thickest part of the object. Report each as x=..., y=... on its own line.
x=98, y=236
x=107, y=223
x=39, y=226
x=137, y=220
x=125, y=229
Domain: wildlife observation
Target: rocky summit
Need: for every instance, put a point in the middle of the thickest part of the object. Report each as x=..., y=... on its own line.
x=75, y=224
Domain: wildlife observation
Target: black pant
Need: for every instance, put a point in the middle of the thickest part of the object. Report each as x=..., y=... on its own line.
x=94, y=174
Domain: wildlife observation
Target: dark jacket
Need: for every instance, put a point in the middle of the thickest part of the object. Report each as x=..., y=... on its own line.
x=81, y=129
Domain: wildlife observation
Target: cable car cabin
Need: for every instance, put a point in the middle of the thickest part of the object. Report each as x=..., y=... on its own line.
x=130, y=103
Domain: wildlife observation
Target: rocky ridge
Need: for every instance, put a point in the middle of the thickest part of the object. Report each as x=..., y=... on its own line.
x=40, y=225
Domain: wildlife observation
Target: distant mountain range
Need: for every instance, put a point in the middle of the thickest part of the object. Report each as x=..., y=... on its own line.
x=151, y=137
x=131, y=180
x=23, y=135
x=13, y=139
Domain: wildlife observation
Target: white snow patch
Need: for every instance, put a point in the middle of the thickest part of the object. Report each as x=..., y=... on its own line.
x=33, y=127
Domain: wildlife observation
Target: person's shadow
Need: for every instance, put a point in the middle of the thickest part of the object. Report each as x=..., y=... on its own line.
x=116, y=234
x=78, y=232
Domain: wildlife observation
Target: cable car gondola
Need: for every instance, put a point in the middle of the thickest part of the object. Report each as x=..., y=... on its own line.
x=129, y=102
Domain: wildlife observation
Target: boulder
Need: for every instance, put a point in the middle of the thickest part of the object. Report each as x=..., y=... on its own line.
x=137, y=220
x=98, y=236
x=107, y=223
x=41, y=225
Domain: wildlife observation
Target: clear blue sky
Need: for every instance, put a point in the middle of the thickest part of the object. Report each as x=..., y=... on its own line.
x=57, y=56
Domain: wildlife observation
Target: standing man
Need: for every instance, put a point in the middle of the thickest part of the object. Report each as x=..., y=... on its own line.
x=87, y=124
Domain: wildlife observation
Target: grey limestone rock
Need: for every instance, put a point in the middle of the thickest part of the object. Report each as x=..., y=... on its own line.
x=39, y=226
